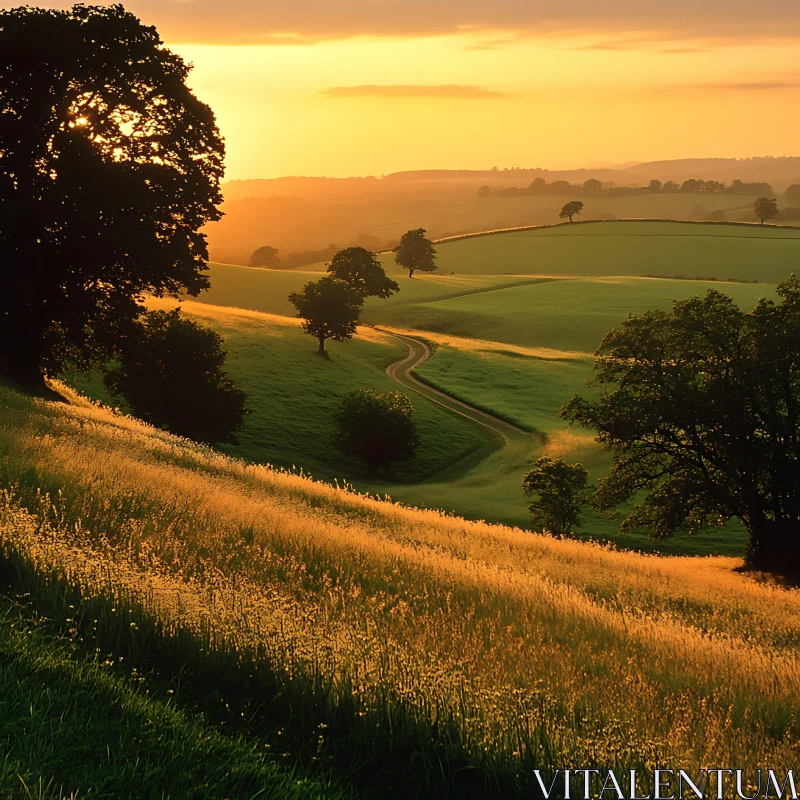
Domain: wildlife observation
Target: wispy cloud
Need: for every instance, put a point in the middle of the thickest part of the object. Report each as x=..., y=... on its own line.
x=734, y=86
x=675, y=51
x=259, y=21
x=603, y=46
x=456, y=91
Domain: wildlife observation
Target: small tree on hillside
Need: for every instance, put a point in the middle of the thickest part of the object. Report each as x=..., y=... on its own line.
x=329, y=309
x=170, y=372
x=376, y=428
x=571, y=209
x=592, y=186
x=360, y=269
x=415, y=252
x=655, y=185
x=558, y=491
x=701, y=408
x=266, y=257
x=765, y=209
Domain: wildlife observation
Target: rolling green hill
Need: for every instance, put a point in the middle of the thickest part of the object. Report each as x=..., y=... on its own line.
x=752, y=252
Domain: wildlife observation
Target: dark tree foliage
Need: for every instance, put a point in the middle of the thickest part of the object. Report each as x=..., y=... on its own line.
x=765, y=209
x=376, y=428
x=171, y=374
x=329, y=309
x=109, y=166
x=558, y=491
x=266, y=257
x=702, y=411
x=415, y=252
x=360, y=268
x=571, y=209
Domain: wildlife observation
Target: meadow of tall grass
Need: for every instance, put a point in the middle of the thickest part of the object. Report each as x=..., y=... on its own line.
x=423, y=654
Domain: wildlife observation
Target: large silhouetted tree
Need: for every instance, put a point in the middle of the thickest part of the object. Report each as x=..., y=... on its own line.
x=415, y=252
x=701, y=408
x=329, y=309
x=170, y=372
x=109, y=166
x=360, y=268
x=376, y=428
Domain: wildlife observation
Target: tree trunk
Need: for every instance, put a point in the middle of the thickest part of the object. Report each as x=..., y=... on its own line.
x=411, y=272
x=321, y=350
x=774, y=547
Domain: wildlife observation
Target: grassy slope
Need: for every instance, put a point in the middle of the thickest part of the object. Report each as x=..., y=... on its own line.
x=294, y=395
x=631, y=248
x=75, y=725
x=417, y=646
x=564, y=314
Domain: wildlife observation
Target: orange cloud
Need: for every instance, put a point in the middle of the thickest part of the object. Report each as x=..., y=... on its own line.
x=268, y=21
x=413, y=90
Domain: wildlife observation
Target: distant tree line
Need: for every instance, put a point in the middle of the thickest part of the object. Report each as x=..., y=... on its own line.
x=595, y=188
x=270, y=258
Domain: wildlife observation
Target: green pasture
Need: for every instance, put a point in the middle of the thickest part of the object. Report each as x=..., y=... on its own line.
x=564, y=314
x=750, y=252
x=294, y=394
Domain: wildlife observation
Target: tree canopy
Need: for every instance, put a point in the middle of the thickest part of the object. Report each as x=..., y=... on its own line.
x=415, y=252
x=360, y=269
x=170, y=372
x=765, y=209
x=376, y=428
x=110, y=167
x=265, y=257
x=701, y=408
x=329, y=308
x=558, y=491
x=571, y=209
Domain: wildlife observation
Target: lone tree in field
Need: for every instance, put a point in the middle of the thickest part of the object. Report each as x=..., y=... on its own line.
x=360, y=268
x=571, y=209
x=265, y=257
x=765, y=209
x=110, y=167
x=170, y=372
x=376, y=428
x=329, y=309
x=702, y=412
x=415, y=252
x=558, y=491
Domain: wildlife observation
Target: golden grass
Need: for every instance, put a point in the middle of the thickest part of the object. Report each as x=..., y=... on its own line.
x=526, y=650
x=485, y=345
x=231, y=314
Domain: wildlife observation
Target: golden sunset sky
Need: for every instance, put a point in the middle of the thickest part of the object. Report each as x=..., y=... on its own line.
x=358, y=87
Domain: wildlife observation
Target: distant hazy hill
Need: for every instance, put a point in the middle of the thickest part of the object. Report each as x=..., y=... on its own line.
x=778, y=171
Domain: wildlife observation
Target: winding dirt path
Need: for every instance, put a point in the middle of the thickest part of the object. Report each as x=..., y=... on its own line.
x=419, y=353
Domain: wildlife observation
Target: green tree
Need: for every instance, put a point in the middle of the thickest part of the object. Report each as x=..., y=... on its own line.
x=592, y=186
x=170, y=372
x=765, y=209
x=571, y=209
x=558, y=491
x=655, y=185
x=329, y=308
x=110, y=167
x=360, y=268
x=265, y=257
x=376, y=428
x=701, y=408
x=415, y=252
